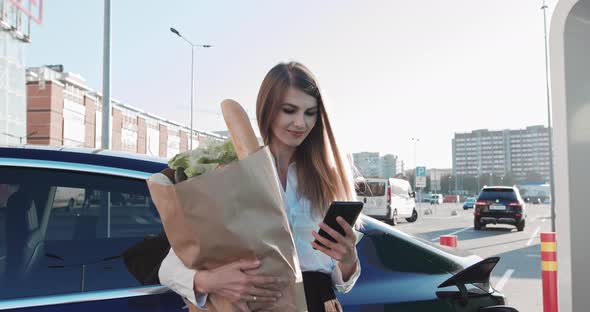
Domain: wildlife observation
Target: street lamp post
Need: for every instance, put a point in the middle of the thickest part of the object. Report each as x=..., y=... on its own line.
x=193, y=46
x=552, y=186
x=450, y=177
x=416, y=140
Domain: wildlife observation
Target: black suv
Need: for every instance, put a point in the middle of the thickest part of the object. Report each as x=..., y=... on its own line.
x=499, y=205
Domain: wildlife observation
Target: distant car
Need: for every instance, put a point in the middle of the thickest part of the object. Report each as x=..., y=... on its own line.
x=499, y=205
x=535, y=200
x=387, y=199
x=60, y=260
x=469, y=203
x=451, y=199
x=436, y=199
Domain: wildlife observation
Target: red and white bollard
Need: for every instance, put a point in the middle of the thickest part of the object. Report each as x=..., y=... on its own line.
x=549, y=271
x=448, y=240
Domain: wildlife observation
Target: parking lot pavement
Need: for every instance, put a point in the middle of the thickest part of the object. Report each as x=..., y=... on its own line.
x=518, y=274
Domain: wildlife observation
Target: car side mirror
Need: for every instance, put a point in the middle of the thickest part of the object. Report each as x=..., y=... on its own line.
x=413, y=194
x=501, y=308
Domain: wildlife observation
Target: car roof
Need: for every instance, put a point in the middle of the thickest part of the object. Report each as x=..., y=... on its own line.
x=371, y=179
x=499, y=187
x=86, y=156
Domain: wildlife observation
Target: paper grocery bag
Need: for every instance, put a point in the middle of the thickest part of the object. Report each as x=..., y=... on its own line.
x=231, y=213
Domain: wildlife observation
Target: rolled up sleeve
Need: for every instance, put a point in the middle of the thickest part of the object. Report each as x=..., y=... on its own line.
x=174, y=275
x=339, y=284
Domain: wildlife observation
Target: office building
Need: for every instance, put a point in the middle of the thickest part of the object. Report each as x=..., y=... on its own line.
x=522, y=153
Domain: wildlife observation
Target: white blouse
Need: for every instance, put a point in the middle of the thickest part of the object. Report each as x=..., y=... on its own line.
x=177, y=277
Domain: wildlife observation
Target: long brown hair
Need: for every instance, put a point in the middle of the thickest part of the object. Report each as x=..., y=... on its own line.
x=322, y=174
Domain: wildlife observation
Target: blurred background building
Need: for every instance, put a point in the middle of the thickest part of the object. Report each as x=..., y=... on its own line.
x=15, y=34
x=521, y=153
x=371, y=164
x=63, y=111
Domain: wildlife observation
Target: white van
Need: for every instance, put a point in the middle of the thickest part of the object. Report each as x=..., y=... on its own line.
x=436, y=199
x=387, y=199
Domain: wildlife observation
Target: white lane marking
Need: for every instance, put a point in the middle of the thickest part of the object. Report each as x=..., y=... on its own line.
x=444, y=218
x=453, y=233
x=504, y=279
x=530, y=241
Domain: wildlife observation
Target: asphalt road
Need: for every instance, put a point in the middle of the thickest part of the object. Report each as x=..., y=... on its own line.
x=518, y=274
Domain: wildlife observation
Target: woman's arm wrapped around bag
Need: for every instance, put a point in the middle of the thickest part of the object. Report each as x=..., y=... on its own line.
x=234, y=281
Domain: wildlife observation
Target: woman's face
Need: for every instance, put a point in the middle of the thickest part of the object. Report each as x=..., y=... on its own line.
x=296, y=117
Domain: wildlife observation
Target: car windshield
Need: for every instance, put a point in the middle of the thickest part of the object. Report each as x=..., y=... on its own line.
x=369, y=189
x=498, y=194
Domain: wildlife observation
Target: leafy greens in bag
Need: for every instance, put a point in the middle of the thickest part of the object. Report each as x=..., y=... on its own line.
x=203, y=159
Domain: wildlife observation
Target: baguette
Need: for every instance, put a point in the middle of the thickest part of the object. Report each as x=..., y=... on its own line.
x=240, y=130
x=161, y=178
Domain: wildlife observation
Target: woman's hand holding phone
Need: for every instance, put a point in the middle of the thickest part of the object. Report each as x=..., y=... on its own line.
x=343, y=249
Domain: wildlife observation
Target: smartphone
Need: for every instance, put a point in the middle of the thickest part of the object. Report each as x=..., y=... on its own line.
x=348, y=210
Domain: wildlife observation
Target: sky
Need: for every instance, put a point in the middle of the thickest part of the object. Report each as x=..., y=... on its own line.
x=389, y=70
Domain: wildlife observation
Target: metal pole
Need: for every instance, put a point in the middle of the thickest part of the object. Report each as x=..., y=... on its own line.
x=106, y=78
x=544, y=8
x=192, y=89
x=415, y=140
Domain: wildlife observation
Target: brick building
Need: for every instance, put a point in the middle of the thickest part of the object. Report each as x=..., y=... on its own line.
x=63, y=110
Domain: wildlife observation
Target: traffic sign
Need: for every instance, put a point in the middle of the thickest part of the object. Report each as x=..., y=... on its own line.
x=420, y=171
x=420, y=177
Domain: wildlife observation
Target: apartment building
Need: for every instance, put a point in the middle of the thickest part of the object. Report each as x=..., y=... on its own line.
x=519, y=152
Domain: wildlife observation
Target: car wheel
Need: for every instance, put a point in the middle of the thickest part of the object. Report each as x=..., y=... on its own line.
x=414, y=216
x=476, y=225
x=520, y=226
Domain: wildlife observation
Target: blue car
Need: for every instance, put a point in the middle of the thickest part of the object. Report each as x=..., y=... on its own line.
x=469, y=203
x=67, y=216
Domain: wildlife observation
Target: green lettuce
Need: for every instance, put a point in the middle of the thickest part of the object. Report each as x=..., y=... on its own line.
x=205, y=158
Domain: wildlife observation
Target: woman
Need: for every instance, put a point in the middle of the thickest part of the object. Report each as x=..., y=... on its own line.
x=294, y=124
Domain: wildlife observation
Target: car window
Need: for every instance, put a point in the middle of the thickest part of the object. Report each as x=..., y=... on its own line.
x=400, y=189
x=62, y=225
x=500, y=194
x=6, y=191
x=371, y=189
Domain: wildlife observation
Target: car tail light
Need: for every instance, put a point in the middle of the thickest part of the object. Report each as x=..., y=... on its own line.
x=518, y=215
x=515, y=204
x=477, y=213
x=389, y=195
x=481, y=203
